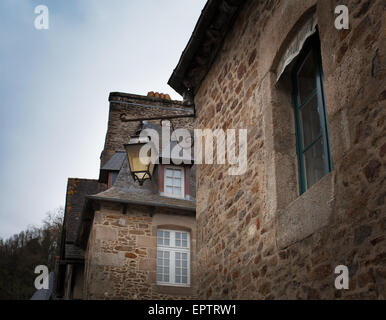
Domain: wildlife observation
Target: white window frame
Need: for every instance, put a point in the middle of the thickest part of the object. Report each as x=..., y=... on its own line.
x=182, y=169
x=172, y=249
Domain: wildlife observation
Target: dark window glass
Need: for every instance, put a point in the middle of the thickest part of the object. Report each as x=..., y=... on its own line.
x=310, y=119
x=114, y=176
x=314, y=163
x=306, y=78
x=313, y=149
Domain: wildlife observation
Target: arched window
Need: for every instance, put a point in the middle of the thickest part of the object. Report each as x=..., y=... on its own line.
x=312, y=140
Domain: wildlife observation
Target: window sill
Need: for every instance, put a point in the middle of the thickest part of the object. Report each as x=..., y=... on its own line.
x=180, y=285
x=308, y=213
x=166, y=195
x=173, y=289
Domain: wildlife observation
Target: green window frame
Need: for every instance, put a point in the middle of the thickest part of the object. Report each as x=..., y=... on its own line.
x=312, y=138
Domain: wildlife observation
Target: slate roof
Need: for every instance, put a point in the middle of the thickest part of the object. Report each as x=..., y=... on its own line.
x=126, y=190
x=77, y=189
x=115, y=162
x=115, y=194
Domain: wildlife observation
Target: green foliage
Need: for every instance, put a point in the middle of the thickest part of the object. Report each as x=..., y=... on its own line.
x=21, y=253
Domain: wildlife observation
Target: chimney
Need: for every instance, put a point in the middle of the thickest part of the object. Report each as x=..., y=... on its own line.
x=163, y=96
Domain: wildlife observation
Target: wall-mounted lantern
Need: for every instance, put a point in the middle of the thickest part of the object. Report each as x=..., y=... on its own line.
x=141, y=168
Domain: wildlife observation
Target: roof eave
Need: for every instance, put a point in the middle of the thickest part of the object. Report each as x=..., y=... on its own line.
x=144, y=203
x=212, y=26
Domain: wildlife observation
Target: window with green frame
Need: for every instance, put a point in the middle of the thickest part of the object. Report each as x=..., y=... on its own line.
x=312, y=140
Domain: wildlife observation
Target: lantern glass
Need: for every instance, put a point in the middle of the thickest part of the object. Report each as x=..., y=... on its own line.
x=141, y=167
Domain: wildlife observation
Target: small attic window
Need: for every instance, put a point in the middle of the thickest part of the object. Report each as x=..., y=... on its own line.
x=174, y=182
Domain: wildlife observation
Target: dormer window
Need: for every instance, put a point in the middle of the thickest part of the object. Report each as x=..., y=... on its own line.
x=109, y=172
x=174, y=182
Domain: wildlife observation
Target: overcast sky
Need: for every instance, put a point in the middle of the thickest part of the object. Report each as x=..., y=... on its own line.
x=54, y=87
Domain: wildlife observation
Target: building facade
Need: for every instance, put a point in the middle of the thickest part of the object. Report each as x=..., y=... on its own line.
x=313, y=100
x=132, y=241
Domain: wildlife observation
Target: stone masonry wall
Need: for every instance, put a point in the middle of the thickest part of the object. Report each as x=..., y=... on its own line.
x=244, y=251
x=121, y=254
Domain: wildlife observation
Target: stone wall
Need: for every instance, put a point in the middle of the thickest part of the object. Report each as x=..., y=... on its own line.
x=121, y=253
x=257, y=238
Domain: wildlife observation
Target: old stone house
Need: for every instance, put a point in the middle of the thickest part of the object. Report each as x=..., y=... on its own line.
x=313, y=100
x=122, y=239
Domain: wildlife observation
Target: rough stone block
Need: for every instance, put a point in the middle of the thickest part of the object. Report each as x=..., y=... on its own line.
x=109, y=259
x=147, y=264
x=106, y=233
x=146, y=242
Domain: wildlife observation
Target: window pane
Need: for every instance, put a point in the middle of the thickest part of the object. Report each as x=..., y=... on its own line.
x=162, y=266
x=169, y=182
x=169, y=190
x=310, y=121
x=185, y=263
x=306, y=78
x=177, y=191
x=178, y=279
x=184, y=280
x=169, y=173
x=314, y=163
x=177, y=173
x=184, y=243
x=184, y=236
x=177, y=182
x=178, y=243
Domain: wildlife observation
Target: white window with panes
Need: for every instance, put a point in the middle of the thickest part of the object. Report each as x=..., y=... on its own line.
x=174, y=182
x=173, y=258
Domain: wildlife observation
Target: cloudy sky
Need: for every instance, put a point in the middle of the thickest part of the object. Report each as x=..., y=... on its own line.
x=54, y=87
